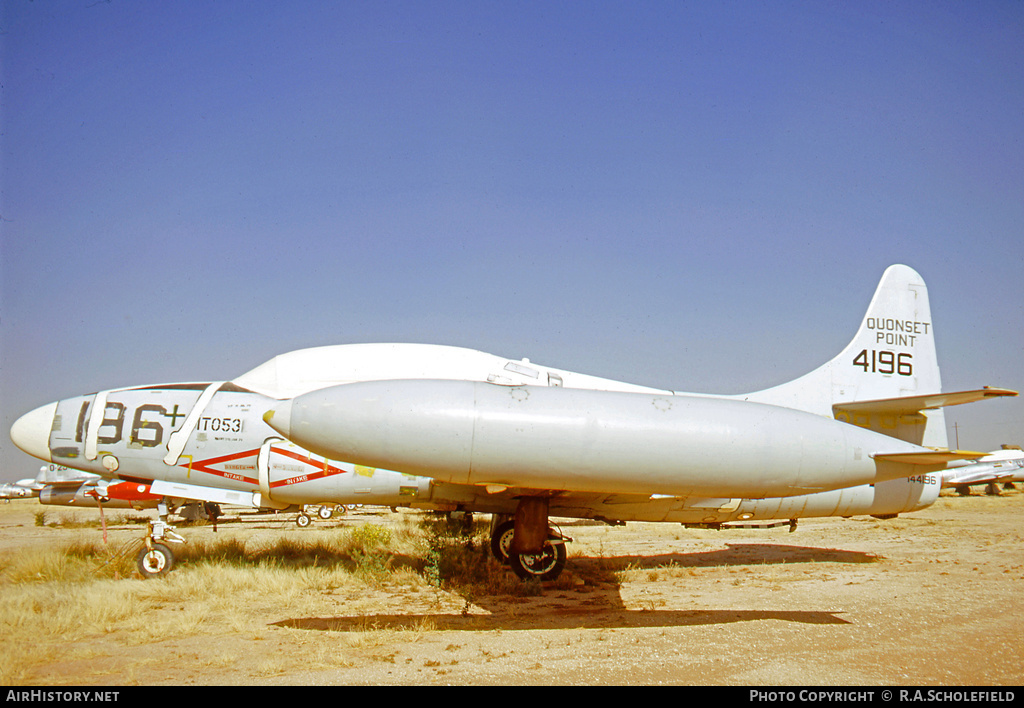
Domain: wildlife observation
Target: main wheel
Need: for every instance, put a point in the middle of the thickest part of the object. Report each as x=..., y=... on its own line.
x=501, y=540
x=303, y=520
x=325, y=512
x=546, y=565
x=156, y=561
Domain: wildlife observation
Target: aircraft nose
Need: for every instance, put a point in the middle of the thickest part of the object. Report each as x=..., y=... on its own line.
x=31, y=432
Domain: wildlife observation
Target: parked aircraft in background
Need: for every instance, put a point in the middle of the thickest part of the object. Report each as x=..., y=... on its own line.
x=17, y=490
x=1004, y=467
x=470, y=431
x=48, y=475
x=59, y=485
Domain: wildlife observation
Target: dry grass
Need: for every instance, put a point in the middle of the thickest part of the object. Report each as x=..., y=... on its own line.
x=55, y=600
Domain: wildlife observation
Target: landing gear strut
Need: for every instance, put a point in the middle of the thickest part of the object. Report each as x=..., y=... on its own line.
x=156, y=558
x=545, y=563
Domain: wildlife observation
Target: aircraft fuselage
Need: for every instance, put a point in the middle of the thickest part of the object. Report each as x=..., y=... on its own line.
x=213, y=436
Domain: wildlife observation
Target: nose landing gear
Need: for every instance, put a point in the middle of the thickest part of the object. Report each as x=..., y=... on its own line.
x=156, y=558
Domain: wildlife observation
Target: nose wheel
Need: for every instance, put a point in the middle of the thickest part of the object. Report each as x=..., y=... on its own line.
x=154, y=560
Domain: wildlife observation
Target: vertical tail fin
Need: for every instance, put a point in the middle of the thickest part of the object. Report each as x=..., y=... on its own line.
x=891, y=356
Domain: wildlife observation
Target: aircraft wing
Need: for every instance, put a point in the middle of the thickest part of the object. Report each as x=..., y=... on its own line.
x=968, y=475
x=180, y=490
x=67, y=483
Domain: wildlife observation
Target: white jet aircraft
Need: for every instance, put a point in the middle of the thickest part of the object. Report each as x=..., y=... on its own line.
x=1004, y=466
x=466, y=430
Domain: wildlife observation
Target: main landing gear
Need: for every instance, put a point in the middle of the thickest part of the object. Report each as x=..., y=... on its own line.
x=540, y=553
x=324, y=511
x=156, y=558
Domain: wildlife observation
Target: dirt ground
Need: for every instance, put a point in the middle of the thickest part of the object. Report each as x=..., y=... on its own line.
x=932, y=598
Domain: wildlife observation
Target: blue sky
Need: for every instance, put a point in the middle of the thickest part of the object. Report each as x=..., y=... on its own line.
x=700, y=196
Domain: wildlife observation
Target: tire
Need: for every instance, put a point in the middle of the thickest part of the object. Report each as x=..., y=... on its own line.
x=546, y=565
x=325, y=512
x=501, y=541
x=155, y=562
x=303, y=520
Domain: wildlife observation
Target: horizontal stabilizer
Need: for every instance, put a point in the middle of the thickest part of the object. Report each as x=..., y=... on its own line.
x=929, y=457
x=915, y=404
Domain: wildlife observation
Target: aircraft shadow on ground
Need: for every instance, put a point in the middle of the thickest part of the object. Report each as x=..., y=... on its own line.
x=740, y=554
x=599, y=604
x=555, y=618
